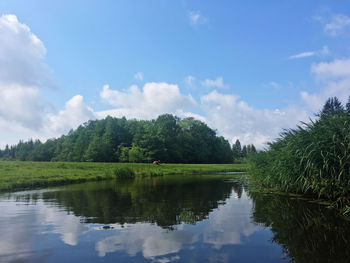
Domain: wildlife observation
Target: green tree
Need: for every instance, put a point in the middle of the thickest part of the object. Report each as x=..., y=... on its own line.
x=348, y=106
x=136, y=154
x=332, y=107
x=236, y=150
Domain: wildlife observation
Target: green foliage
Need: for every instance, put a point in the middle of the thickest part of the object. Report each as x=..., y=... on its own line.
x=313, y=158
x=124, y=173
x=167, y=138
x=240, y=154
x=136, y=154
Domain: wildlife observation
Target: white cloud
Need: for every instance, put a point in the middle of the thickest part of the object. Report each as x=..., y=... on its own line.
x=21, y=54
x=302, y=55
x=217, y=83
x=323, y=52
x=338, y=24
x=21, y=104
x=154, y=99
x=338, y=68
x=196, y=18
x=335, y=78
x=75, y=112
x=22, y=74
x=235, y=119
x=138, y=76
x=190, y=81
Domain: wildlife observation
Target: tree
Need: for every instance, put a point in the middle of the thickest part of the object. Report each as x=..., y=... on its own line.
x=136, y=154
x=245, y=151
x=348, y=106
x=332, y=107
x=236, y=150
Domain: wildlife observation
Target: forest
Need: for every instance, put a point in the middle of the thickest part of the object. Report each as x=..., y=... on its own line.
x=167, y=138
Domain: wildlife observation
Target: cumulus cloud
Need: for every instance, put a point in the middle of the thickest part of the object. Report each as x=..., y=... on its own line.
x=146, y=103
x=339, y=68
x=235, y=119
x=22, y=74
x=75, y=112
x=335, y=80
x=338, y=24
x=21, y=54
x=21, y=104
x=216, y=83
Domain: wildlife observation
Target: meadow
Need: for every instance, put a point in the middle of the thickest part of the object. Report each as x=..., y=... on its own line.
x=17, y=175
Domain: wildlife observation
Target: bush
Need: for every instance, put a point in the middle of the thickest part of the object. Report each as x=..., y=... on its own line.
x=124, y=173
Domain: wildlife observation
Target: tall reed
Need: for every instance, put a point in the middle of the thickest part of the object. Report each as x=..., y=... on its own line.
x=314, y=158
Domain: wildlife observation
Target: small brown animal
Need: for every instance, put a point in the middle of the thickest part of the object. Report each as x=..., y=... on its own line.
x=156, y=162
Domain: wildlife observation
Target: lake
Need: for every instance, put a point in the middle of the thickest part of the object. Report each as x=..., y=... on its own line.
x=192, y=218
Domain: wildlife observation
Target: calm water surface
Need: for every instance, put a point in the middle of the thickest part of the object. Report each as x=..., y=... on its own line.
x=167, y=219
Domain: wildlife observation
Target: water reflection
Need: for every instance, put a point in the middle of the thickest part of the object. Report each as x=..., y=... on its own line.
x=151, y=240
x=182, y=219
x=230, y=223
x=164, y=201
x=308, y=232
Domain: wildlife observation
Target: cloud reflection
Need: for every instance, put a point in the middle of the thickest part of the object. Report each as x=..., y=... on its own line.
x=230, y=223
x=151, y=240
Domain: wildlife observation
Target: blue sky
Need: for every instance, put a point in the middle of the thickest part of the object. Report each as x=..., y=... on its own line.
x=248, y=69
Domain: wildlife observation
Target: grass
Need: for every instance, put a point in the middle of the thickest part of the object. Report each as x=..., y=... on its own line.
x=312, y=160
x=15, y=175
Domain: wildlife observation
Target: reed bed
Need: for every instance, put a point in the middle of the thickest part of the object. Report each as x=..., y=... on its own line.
x=312, y=159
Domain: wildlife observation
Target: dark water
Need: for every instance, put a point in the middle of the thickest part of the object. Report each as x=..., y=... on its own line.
x=167, y=219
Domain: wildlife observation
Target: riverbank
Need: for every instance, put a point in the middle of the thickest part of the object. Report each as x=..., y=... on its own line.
x=16, y=175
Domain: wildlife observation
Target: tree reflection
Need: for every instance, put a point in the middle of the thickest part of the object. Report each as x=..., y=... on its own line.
x=308, y=232
x=164, y=201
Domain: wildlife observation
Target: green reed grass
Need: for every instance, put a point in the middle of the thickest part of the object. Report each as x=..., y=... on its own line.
x=312, y=159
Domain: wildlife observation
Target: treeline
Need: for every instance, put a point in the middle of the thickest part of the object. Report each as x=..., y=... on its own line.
x=168, y=138
x=313, y=158
x=240, y=153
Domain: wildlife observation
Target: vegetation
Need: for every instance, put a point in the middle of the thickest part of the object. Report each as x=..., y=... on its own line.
x=240, y=154
x=18, y=175
x=167, y=138
x=313, y=158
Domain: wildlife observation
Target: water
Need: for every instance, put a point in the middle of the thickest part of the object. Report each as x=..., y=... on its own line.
x=167, y=219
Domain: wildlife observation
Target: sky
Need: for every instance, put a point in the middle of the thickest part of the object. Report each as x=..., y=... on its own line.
x=249, y=69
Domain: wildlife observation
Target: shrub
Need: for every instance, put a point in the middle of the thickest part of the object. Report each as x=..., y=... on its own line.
x=124, y=172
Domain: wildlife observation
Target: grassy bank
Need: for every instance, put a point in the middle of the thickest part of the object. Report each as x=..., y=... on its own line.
x=27, y=175
x=313, y=159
